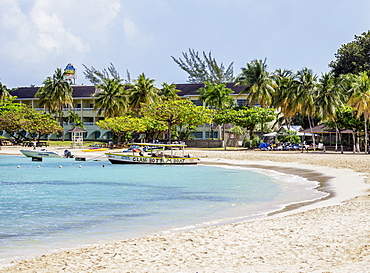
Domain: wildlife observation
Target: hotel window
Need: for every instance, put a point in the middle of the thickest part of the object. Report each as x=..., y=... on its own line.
x=197, y=102
x=198, y=135
x=209, y=135
x=240, y=102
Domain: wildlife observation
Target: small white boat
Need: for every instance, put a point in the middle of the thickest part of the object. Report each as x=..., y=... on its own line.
x=149, y=153
x=41, y=153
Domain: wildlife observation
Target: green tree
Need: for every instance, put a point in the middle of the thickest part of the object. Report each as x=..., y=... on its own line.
x=306, y=83
x=4, y=93
x=178, y=112
x=217, y=96
x=112, y=100
x=123, y=126
x=260, y=86
x=75, y=119
x=330, y=97
x=245, y=117
x=153, y=128
x=360, y=99
x=142, y=92
x=41, y=124
x=97, y=77
x=346, y=118
x=353, y=57
x=18, y=119
x=204, y=68
x=285, y=95
x=288, y=136
x=55, y=94
x=168, y=92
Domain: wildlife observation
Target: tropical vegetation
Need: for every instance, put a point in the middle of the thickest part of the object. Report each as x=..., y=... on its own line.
x=25, y=123
x=339, y=98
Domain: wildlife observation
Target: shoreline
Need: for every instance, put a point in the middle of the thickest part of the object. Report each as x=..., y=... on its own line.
x=222, y=246
x=322, y=179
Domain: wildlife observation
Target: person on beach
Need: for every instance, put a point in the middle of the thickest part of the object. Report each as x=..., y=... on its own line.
x=34, y=144
x=304, y=146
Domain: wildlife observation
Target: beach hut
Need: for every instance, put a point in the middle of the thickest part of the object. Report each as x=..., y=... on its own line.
x=330, y=135
x=77, y=136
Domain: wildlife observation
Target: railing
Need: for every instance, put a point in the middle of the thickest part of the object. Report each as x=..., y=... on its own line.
x=87, y=109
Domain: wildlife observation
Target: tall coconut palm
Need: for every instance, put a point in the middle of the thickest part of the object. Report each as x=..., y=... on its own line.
x=4, y=93
x=284, y=98
x=112, y=100
x=360, y=99
x=218, y=96
x=56, y=94
x=306, y=82
x=260, y=87
x=143, y=91
x=168, y=91
x=330, y=96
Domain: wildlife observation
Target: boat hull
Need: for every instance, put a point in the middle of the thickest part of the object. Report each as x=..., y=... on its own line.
x=42, y=154
x=133, y=159
x=95, y=150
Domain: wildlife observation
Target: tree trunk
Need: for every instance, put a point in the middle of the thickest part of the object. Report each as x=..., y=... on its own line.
x=358, y=142
x=366, y=140
x=310, y=122
x=61, y=121
x=340, y=139
x=169, y=132
x=223, y=136
x=354, y=142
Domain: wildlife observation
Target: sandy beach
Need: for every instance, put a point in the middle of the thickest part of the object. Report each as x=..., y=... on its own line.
x=332, y=235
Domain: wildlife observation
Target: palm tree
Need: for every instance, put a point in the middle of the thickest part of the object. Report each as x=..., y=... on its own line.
x=112, y=100
x=260, y=87
x=168, y=91
x=306, y=82
x=284, y=98
x=55, y=94
x=75, y=119
x=360, y=99
x=142, y=92
x=330, y=97
x=218, y=96
x=4, y=93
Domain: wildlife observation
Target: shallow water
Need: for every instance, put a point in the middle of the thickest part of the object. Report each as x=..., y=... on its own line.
x=62, y=203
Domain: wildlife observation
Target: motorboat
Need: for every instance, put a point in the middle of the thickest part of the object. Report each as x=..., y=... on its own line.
x=43, y=153
x=150, y=153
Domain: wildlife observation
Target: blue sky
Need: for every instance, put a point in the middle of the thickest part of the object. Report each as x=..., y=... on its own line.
x=38, y=36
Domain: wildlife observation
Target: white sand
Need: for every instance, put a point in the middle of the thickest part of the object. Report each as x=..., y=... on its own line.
x=332, y=235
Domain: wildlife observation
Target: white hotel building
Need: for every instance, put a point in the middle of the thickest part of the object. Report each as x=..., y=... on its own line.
x=83, y=104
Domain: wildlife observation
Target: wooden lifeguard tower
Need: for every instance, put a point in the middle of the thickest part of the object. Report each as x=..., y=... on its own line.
x=77, y=136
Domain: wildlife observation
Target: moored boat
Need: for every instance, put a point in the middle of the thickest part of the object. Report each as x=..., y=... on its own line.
x=43, y=153
x=149, y=153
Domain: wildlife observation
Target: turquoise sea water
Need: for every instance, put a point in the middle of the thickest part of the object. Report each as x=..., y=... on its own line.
x=62, y=203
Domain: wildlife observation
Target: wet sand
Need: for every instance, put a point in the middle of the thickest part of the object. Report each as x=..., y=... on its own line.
x=332, y=235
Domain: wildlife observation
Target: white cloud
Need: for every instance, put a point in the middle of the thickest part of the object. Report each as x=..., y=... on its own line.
x=133, y=35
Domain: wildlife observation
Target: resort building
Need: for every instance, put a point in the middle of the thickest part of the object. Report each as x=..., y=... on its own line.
x=83, y=104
